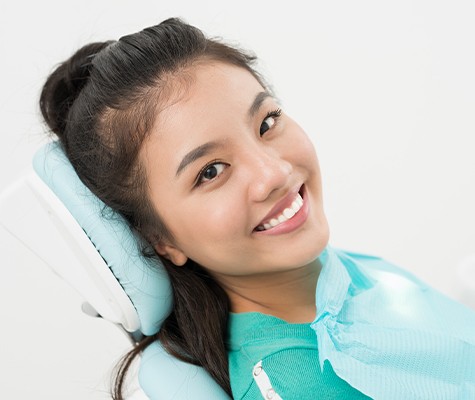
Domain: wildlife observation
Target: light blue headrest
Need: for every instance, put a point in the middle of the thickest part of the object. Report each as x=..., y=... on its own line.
x=145, y=281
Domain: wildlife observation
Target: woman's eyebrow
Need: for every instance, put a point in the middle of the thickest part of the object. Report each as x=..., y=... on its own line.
x=195, y=154
x=206, y=148
x=257, y=103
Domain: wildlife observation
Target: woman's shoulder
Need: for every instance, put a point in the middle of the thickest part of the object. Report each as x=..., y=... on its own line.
x=267, y=353
x=254, y=336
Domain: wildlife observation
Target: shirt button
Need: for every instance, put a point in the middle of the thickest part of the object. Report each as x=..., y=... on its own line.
x=270, y=394
x=257, y=370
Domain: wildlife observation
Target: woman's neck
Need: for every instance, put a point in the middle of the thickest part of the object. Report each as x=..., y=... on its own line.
x=288, y=295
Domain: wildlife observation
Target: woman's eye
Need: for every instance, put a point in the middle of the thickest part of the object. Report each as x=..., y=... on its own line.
x=211, y=172
x=269, y=121
x=266, y=125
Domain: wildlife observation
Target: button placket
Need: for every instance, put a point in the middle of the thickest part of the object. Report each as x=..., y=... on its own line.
x=263, y=383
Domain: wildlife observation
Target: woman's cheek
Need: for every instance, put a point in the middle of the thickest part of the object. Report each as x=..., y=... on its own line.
x=223, y=216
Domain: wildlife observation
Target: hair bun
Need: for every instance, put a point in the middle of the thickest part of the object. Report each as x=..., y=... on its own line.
x=64, y=85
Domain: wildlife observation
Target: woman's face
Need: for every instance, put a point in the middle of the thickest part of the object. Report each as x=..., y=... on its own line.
x=227, y=173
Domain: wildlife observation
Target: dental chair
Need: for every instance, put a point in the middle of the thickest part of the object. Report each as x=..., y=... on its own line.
x=105, y=266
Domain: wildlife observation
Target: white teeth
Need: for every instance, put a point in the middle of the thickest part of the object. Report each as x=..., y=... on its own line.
x=289, y=213
x=295, y=206
x=298, y=202
x=284, y=216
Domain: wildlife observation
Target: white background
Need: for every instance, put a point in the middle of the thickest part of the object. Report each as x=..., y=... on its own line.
x=386, y=90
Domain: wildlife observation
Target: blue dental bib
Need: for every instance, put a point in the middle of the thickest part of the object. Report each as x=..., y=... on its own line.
x=390, y=335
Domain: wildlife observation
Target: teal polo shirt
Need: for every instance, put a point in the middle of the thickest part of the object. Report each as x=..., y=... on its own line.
x=289, y=355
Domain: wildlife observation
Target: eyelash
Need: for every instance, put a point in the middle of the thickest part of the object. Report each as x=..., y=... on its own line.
x=275, y=113
x=271, y=114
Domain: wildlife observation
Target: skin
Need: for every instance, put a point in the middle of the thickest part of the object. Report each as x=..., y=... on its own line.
x=214, y=223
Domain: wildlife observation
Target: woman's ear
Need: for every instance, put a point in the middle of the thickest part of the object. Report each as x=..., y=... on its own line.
x=172, y=253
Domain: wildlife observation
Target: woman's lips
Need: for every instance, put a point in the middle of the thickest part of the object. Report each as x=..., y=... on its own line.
x=287, y=215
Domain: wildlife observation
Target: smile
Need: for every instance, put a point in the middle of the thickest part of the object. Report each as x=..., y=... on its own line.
x=287, y=214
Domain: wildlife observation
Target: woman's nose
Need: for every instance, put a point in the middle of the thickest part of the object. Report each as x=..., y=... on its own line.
x=269, y=172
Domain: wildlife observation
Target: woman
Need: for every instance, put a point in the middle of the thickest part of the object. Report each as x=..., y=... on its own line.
x=181, y=135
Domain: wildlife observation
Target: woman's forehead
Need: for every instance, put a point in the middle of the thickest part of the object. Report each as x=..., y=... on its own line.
x=205, y=94
x=216, y=81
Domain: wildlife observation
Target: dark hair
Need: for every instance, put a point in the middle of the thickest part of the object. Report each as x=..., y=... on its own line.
x=102, y=103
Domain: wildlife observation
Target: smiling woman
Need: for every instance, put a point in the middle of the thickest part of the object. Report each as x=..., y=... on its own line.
x=184, y=138
x=245, y=164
